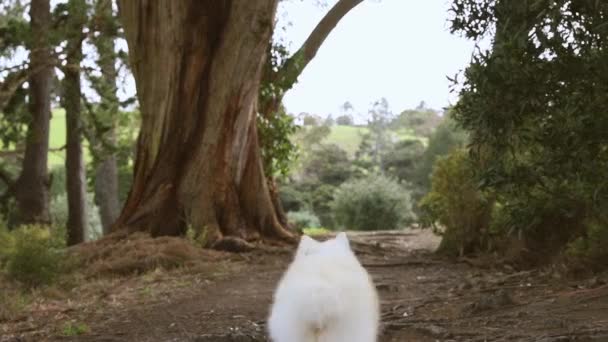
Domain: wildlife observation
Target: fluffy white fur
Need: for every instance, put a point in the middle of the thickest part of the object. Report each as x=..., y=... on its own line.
x=325, y=296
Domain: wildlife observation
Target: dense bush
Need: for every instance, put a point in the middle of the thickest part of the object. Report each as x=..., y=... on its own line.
x=455, y=206
x=329, y=164
x=292, y=199
x=321, y=199
x=372, y=203
x=445, y=138
x=402, y=161
x=303, y=219
x=33, y=257
x=590, y=249
x=345, y=120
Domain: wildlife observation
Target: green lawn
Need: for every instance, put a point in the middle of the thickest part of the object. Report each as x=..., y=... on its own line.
x=57, y=140
x=349, y=137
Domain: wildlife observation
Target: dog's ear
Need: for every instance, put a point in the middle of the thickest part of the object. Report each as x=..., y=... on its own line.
x=343, y=239
x=306, y=246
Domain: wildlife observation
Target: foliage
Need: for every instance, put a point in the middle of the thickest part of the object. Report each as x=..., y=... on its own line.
x=455, y=206
x=375, y=202
x=35, y=257
x=535, y=107
x=311, y=137
x=377, y=140
x=303, y=219
x=590, y=249
x=345, y=120
x=275, y=125
x=278, y=151
x=311, y=120
x=328, y=164
x=402, y=160
x=58, y=181
x=292, y=199
x=321, y=198
x=421, y=121
x=7, y=245
x=445, y=138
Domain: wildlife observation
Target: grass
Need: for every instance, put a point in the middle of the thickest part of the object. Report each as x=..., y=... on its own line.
x=57, y=140
x=349, y=137
x=71, y=329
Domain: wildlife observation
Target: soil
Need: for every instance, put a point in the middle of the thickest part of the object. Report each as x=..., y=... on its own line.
x=424, y=298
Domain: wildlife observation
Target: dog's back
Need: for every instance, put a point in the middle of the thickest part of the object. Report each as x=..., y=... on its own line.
x=325, y=296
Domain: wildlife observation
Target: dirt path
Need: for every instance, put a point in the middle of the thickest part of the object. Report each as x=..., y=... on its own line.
x=423, y=299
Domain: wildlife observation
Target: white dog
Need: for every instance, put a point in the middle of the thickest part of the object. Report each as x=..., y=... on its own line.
x=325, y=296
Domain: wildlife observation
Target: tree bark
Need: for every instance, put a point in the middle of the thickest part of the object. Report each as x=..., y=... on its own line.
x=32, y=187
x=106, y=191
x=106, y=172
x=197, y=69
x=74, y=161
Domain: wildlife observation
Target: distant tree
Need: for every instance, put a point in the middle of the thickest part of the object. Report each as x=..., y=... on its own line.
x=311, y=120
x=378, y=139
x=402, y=160
x=329, y=121
x=329, y=164
x=312, y=137
x=448, y=136
x=32, y=186
x=421, y=121
x=72, y=94
x=345, y=120
x=106, y=116
x=421, y=106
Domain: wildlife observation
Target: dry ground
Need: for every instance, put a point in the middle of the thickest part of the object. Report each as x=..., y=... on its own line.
x=424, y=298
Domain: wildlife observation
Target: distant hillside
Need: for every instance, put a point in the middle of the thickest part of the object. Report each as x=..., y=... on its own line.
x=349, y=137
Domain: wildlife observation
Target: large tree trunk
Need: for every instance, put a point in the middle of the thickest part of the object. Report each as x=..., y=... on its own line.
x=197, y=69
x=74, y=162
x=32, y=188
x=106, y=172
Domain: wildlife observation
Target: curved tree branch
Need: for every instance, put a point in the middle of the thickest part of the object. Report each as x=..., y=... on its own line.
x=294, y=66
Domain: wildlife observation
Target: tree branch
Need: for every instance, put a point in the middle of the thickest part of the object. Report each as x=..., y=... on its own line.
x=294, y=66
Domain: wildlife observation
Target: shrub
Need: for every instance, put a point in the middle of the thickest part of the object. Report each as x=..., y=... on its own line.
x=7, y=244
x=36, y=258
x=329, y=164
x=345, y=120
x=590, y=250
x=372, y=203
x=292, y=199
x=462, y=211
x=303, y=219
x=322, y=197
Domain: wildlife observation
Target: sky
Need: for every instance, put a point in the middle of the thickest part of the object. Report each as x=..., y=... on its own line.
x=398, y=49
